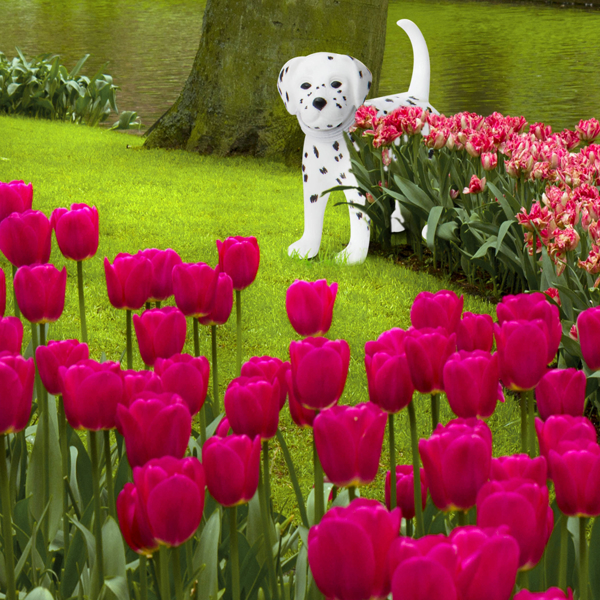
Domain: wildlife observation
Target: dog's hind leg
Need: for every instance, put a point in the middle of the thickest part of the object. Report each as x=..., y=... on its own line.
x=357, y=249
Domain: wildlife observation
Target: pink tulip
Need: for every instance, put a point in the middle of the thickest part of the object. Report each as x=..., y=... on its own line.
x=223, y=428
x=15, y=197
x=239, y=257
x=319, y=371
x=195, y=287
x=223, y=302
x=523, y=506
x=77, y=231
x=25, y=238
x=134, y=522
x=252, y=406
x=232, y=467
x=421, y=578
x=309, y=306
x=475, y=332
x=11, y=335
x=347, y=550
x=476, y=185
x=405, y=491
x=303, y=417
x=16, y=392
x=349, y=441
x=57, y=354
x=471, y=383
x=128, y=280
x=155, y=425
x=160, y=333
x=519, y=466
x=40, y=292
x=427, y=351
x=489, y=161
x=91, y=392
x=135, y=382
x=187, y=376
x=588, y=329
x=2, y=293
x=442, y=309
x=561, y=392
x=562, y=433
x=163, y=262
x=391, y=342
x=457, y=461
x=270, y=368
x=550, y=594
x=522, y=353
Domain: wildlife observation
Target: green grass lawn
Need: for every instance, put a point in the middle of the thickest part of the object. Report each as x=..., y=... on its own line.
x=173, y=199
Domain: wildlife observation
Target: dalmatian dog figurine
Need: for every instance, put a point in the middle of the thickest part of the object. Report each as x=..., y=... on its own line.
x=323, y=90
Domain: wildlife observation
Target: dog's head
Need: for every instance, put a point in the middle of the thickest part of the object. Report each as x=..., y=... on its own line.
x=323, y=89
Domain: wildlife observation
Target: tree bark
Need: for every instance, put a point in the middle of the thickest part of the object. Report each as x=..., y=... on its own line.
x=229, y=104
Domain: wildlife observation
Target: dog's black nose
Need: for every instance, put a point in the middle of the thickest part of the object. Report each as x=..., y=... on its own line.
x=319, y=103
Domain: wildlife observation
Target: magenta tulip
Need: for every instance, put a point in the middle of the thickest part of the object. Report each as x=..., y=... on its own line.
x=270, y=368
x=427, y=351
x=457, y=461
x=128, y=280
x=472, y=384
x=523, y=507
x=252, y=406
x=40, y=292
x=533, y=307
x=561, y=392
x=232, y=467
x=442, y=309
x=160, y=333
x=319, y=371
x=550, y=594
x=16, y=392
x=588, y=328
x=25, y=238
x=421, y=578
x=562, y=433
x=347, y=550
x=134, y=522
x=187, y=376
x=405, y=491
x=2, y=293
x=77, y=231
x=303, y=417
x=155, y=425
x=475, y=332
x=519, y=466
x=11, y=335
x=309, y=306
x=135, y=383
x=223, y=428
x=15, y=196
x=223, y=302
x=391, y=342
x=163, y=262
x=239, y=257
x=522, y=353
x=91, y=392
x=57, y=354
x=195, y=287
x=349, y=441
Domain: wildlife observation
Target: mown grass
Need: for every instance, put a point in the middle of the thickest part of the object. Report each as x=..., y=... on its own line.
x=184, y=201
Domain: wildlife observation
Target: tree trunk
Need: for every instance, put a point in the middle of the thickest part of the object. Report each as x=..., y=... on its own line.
x=229, y=104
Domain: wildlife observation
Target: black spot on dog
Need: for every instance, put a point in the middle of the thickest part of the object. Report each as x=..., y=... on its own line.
x=351, y=57
x=410, y=102
x=305, y=177
x=385, y=112
x=330, y=57
x=343, y=175
x=301, y=100
x=316, y=151
x=412, y=97
x=329, y=126
x=336, y=145
x=305, y=154
x=281, y=76
x=338, y=124
x=323, y=171
x=341, y=155
x=303, y=168
x=359, y=216
x=344, y=97
x=287, y=69
x=314, y=198
x=360, y=74
x=369, y=85
x=338, y=105
x=287, y=97
x=338, y=180
x=339, y=91
x=388, y=100
x=309, y=95
x=336, y=159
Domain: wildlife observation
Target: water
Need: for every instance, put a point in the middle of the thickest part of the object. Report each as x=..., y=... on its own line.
x=537, y=60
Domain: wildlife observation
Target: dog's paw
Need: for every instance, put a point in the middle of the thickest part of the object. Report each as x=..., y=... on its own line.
x=352, y=254
x=303, y=249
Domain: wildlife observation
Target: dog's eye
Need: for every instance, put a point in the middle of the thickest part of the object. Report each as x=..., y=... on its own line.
x=335, y=84
x=305, y=85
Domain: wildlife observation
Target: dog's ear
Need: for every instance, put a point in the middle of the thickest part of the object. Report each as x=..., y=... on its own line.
x=285, y=84
x=360, y=81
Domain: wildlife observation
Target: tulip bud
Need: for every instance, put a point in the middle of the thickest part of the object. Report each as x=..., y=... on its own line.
x=405, y=491
x=40, y=292
x=195, y=287
x=442, y=309
x=519, y=466
x=303, y=417
x=15, y=197
x=223, y=302
x=128, y=280
x=163, y=262
x=160, y=333
x=270, y=368
x=25, y=238
x=50, y=358
x=77, y=231
x=11, y=335
x=561, y=392
x=16, y=392
x=475, y=332
x=239, y=257
x=134, y=523
x=309, y=306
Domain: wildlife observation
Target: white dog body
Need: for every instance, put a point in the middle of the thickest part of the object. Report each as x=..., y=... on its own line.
x=323, y=90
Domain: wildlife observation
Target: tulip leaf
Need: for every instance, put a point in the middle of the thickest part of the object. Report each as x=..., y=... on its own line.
x=301, y=574
x=84, y=472
x=89, y=539
x=123, y=475
x=254, y=525
x=292, y=471
x=207, y=554
x=118, y=586
x=594, y=558
x=310, y=503
x=39, y=593
x=432, y=222
x=114, y=552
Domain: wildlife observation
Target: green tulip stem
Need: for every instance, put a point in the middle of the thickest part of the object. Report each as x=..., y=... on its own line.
x=351, y=492
x=523, y=401
x=562, y=560
x=15, y=304
x=234, y=553
x=177, y=573
x=9, y=559
x=416, y=469
x=45, y=418
x=583, y=560
x=82, y=319
x=64, y=454
x=196, y=337
x=165, y=583
x=267, y=533
x=461, y=518
x=98, y=582
x=238, y=324
x=129, y=340
x=435, y=411
x=267, y=472
x=215, y=371
x=143, y=577
x=112, y=511
x=148, y=306
x=157, y=304
x=531, y=424
x=202, y=419
x=409, y=528
x=392, y=461
x=318, y=473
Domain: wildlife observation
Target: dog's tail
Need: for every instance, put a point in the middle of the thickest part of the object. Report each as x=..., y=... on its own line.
x=419, y=83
